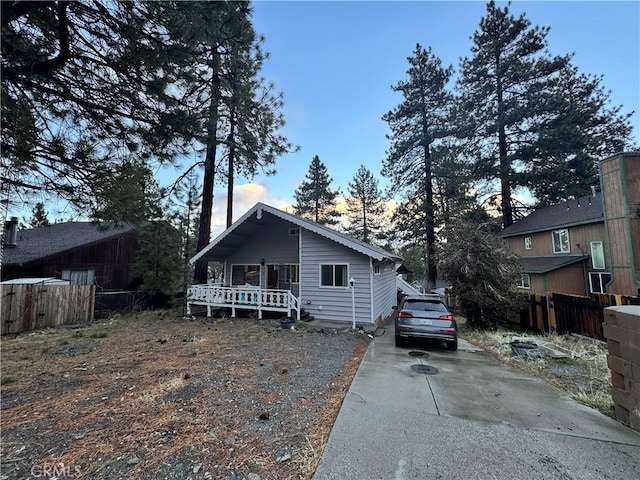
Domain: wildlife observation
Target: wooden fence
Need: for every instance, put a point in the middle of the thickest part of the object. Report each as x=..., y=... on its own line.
x=30, y=307
x=570, y=313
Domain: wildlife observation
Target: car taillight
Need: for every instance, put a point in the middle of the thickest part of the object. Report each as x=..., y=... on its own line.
x=404, y=315
x=447, y=317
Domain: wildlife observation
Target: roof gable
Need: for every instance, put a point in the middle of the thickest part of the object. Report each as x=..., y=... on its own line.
x=37, y=243
x=346, y=240
x=580, y=211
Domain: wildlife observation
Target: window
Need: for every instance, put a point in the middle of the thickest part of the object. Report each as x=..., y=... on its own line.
x=561, y=241
x=294, y=232
x=334, y=275
x=376, y=269
x=597, y=255
x=528, y=245
x=289, y=273
x=598, y=281
x=79, y=277
x=245, y=274
x=525, y=281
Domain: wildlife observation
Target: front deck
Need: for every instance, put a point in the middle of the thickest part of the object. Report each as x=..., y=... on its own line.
x=244, y=298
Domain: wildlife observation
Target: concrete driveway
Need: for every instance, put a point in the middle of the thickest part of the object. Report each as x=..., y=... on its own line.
x=463, y=415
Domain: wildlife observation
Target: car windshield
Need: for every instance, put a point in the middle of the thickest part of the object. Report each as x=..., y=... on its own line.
x=425, y=305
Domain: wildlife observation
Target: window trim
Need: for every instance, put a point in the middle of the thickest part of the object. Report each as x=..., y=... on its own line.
x=334, y=265
x=528, y=243
x=259, y=270
x=553, y=241
x=522, y=284
x=603, y=284
x=70, y=274
x=593, y=257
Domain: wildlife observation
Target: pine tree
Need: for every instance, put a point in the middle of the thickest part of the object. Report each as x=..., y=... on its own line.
x=315, y=199
x=581, y=129
x=38, y=216
x=418, y=126
x=514, y=116
x=78, y=81
x=365, y=206
x=482, y=270
x=238, y=116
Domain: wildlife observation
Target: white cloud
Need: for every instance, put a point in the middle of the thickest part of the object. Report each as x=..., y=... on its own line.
x=245, y=196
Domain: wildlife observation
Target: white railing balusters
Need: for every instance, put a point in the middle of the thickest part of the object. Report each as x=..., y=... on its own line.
x=242, y=297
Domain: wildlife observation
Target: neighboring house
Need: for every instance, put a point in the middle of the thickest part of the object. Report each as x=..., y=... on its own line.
x=79, y=252
x=269, y=249
x=585, y=245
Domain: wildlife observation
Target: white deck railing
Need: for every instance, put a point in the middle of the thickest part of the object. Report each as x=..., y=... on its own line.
x=248, y=298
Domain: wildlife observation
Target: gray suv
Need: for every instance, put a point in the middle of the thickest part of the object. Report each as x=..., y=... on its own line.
x=425, y=316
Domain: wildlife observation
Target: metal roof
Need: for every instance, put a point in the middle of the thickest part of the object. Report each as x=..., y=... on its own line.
x=242, y=228
x=36, y=243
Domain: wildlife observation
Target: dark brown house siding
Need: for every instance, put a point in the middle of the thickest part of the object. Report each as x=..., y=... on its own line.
x=112, y=260
x=620, y=177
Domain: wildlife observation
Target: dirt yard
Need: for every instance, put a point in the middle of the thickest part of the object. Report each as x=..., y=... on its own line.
x=155, y=396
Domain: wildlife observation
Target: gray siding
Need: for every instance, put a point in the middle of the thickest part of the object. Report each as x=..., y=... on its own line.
x=333, y=303
x=384, y=291
x=274, y=245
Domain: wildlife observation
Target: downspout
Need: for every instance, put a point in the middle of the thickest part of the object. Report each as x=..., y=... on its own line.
x=546, y=295
x=372, y=319
x=299, y=272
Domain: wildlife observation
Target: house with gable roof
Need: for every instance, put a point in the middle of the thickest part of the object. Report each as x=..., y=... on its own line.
x=80, y=252
x=276, y=261
x=585, y=245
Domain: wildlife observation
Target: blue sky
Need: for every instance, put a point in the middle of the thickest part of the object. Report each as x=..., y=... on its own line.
x=335, y=62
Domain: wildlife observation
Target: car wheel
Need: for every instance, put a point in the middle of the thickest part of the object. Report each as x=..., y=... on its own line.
x=453, y=345
x=399, y=341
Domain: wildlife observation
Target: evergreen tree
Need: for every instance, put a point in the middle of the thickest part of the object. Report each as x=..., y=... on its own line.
x=237, y=115
x=38, y=216
x=482, y=270
x=131, y=195
x=365, y=206
x=581, y=129
x=418, y=126
x=514, y=116
x=315, y=199
x=78, y=81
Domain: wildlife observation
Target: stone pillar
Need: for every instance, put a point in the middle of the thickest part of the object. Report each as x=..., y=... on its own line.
x=622, y=330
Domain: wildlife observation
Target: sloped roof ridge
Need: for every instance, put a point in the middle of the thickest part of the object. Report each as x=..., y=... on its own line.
x=331, y=232
x=576, y=211
x=327, y=232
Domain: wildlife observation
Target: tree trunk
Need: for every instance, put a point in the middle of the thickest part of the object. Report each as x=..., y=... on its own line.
x=208, y=182
x=505, y=167
x=232, y=154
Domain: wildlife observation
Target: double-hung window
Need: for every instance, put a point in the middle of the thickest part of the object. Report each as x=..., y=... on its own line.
x=561, y=241
x=525, y=281
x=334, y=275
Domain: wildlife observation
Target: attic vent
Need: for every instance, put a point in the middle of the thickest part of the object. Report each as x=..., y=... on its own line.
x=11, y=232
x=294, y=232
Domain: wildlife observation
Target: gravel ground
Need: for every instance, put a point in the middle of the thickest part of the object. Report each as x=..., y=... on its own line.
x=158, y=397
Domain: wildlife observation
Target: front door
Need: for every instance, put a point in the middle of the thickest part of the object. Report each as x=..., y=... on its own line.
x=272, y=277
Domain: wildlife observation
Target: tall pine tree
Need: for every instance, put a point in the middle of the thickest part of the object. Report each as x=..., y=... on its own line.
x=518, y=111
x=365, y=206
x=315, y=199
x=418, y=126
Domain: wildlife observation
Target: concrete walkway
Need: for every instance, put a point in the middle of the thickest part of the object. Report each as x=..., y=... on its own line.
x=463, y=415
